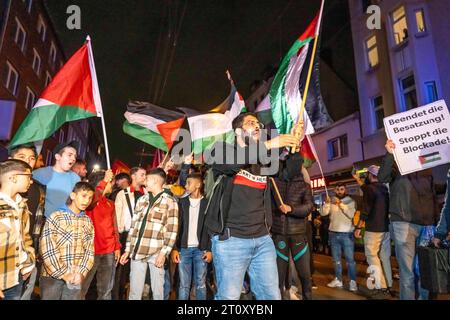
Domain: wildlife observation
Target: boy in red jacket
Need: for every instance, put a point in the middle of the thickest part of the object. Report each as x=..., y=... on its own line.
x=106, y=240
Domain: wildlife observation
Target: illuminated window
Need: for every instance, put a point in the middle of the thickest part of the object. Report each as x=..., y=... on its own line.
x=399, y=25
x=420, y=21
x=372, y=52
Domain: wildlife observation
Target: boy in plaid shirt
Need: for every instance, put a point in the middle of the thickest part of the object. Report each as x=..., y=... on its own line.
x=67, y=247
x=152, y=235
x=16, y=247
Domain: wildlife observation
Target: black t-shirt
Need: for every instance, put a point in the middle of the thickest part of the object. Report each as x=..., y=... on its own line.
x=246, y=217
x=375, y=210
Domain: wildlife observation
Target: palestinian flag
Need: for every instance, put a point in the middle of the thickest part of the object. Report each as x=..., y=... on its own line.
x=151, y=124
x=206, y=129
x=119, y=166
x=286, y=92
x=73, y=94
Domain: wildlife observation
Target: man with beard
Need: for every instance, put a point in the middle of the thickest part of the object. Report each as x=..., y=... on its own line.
x=239, y=213
x=80, y=168
x=58, y=179
x=341, y=210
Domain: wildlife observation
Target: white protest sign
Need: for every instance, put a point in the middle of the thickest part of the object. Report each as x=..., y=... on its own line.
x=421, y=137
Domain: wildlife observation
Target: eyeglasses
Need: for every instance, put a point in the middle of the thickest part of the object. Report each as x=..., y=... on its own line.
x=254, y=123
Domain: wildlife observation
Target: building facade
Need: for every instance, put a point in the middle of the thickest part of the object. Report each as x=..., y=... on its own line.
x=400, y=66
x=30, y=56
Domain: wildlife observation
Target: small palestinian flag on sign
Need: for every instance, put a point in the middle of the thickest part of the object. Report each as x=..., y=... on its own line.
x=431, y=157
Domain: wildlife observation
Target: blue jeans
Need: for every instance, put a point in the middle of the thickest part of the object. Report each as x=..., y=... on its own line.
x=343, y=241
x=405, y=236
x=15, y=292
x=235, y=256
x=192, y=265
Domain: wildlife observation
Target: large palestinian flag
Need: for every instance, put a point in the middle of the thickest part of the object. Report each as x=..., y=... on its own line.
x=73, y=94
x=286, y=92
x=151, y=124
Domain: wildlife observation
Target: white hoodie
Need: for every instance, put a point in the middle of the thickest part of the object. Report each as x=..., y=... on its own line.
x=341, y=216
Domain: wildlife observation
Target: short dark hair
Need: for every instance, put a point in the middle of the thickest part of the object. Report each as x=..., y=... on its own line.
x=196, y=175
x=16, y=149
x=10, y=165
x=340, y=184
x=238, y=122
x=158, y=172
x=80, y=186
x=96, y=177
x=135, y=169
x=80, y=162
x=123, y=175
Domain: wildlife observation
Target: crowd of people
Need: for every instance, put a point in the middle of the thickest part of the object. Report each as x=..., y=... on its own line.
x=212, y=231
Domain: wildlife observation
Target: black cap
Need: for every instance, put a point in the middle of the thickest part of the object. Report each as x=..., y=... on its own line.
x=74, y=144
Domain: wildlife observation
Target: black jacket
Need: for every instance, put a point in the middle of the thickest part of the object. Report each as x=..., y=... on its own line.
x=204, y=242
x=412, y=197
x=220, y=198
x=298, y=195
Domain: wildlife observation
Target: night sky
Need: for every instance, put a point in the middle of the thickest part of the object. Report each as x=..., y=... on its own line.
x=244, y=36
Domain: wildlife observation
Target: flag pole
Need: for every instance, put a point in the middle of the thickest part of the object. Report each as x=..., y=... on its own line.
x=311, y=65
x=97, y=100
x=277, y=191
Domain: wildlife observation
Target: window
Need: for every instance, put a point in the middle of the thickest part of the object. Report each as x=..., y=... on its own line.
x=52, y=57
x=432, y=95
x=42, y=28
x=11, y=79
x=48, y=159
x=29, y=4
x=31, y=99
x=48, y=78
x=378, y=110
x=408, y=92
x=337, y=148
x=36, y=62
x=61, y=136
x=20, y=36
x=372, y=52
x=399, y=25
x=420, y=21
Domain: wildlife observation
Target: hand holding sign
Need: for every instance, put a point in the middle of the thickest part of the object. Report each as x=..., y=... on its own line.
x=419, y=138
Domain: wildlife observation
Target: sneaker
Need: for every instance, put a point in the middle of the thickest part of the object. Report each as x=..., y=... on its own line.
x=336, y=283
x=314, y=286
x=353, y=286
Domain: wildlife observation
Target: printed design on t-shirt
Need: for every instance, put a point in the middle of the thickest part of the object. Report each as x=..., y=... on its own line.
x=245, y=178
